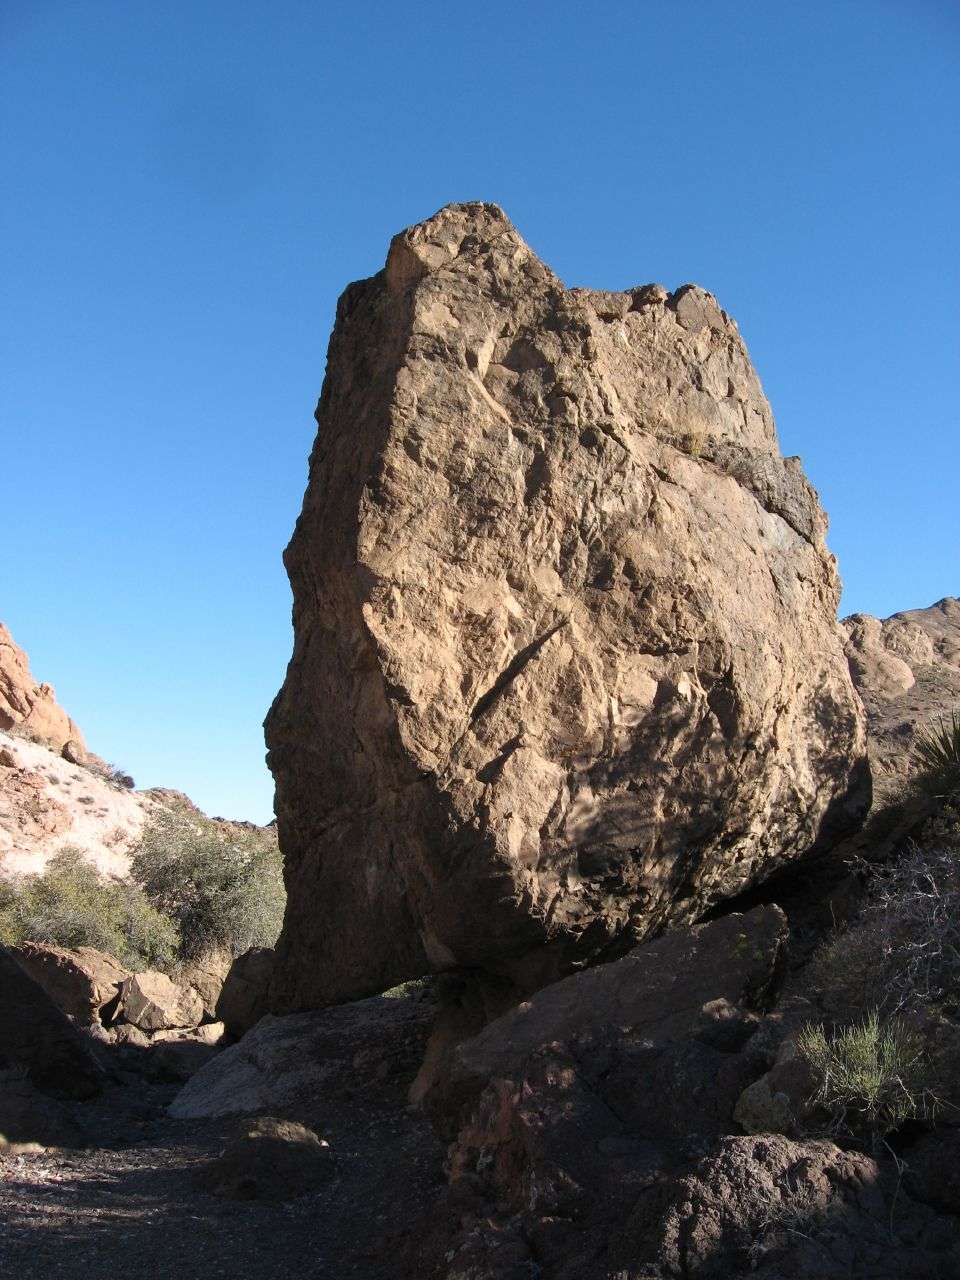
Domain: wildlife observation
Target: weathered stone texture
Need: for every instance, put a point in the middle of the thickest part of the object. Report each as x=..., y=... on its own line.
x=27, y=705
x=907, y=670
x=566, y=664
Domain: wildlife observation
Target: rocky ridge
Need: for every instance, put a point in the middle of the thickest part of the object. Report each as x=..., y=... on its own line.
x=907, y=671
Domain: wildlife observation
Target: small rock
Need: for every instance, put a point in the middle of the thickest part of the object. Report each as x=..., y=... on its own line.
x=271, y=1160
x=125, y=1033
x=73, y=752
x=208, y=1033
x=780, y=1099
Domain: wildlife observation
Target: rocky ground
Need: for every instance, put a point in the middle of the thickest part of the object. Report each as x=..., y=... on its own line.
x=136, y=1201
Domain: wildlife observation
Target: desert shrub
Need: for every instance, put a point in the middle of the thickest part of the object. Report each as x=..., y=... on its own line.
x=71, y=905
x=936, y=756
x=872, y=1076
x=112, y=774
x=118, y=777
x=221, y=883
x=904, y=949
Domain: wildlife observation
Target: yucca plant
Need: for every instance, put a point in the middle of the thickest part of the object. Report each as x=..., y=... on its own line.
x=936, y=754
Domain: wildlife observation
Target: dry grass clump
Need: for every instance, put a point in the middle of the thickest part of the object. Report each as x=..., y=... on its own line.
x=872, y=1076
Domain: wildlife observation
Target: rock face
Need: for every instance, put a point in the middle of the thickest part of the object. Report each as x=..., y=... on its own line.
x=693, y=985
x=566, y=665
x=374, y=1045
x=30, y=706
x=206, y=976
x=243, y=998
x=771, y=1208
x=907, y=671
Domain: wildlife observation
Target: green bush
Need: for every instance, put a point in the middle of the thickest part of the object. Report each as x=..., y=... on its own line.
x=71, y=905
x=871, y=1077
x=221, y=883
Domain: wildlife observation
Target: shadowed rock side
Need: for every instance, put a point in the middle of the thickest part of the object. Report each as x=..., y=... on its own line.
x=39, y=1040
x=566, y=664
x=907, y=670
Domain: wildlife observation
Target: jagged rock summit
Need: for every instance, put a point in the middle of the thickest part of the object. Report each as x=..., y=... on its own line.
x=566, y=665
x=27, y=705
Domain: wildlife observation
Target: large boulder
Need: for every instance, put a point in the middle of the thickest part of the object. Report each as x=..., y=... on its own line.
x=29, y=706
x=282, y=1063
x=83, y=982
x=38, y=1040
x=566, y=663
x=154, y=1002
x=907, y=670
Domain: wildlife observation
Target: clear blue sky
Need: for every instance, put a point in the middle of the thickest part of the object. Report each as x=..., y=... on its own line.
x=189, y=185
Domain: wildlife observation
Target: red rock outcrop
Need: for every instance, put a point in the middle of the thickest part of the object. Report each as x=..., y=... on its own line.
x=27, y=705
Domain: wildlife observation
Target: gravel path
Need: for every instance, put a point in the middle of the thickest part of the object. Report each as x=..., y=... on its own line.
x=133, y=1206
